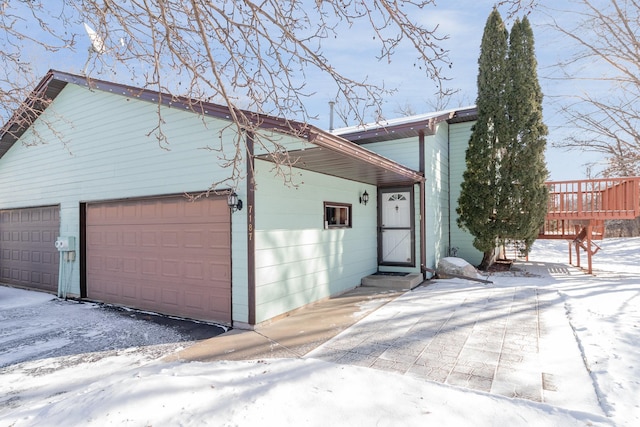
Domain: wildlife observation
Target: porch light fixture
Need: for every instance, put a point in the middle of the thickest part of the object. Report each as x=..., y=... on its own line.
x=234, y=202
x=364, y=199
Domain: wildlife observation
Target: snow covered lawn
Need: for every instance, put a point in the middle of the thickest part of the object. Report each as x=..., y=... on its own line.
x=131, y=386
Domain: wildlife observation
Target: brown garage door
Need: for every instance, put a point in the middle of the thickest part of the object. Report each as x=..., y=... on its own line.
x=167, y=255
x=28, y=256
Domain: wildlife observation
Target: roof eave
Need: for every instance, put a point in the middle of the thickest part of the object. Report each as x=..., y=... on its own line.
x=426, y=126
x=47, y=91
x=369, y=167
x=336, y=156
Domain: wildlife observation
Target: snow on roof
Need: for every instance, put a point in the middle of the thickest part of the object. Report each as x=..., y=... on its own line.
x=398, y=121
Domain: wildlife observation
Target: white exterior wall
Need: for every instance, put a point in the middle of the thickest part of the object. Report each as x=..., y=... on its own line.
x=106, y=154
x=298, y=261
x=461, y=240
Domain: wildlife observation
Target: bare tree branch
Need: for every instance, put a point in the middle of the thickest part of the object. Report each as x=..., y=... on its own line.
x=248, y=55
x=607, y=66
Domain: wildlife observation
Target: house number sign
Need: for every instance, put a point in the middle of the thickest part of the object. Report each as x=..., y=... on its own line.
x=250, y=222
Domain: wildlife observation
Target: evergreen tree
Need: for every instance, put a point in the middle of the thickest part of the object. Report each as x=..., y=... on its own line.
x=503, y=196
x=479, y=200
x=527, y=171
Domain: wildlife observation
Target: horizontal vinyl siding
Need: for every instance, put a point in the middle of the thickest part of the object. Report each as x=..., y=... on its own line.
x=104, y=151
x=404, y=151
x=273, y=142
x=437, y=195
x=461, y=240
x=297, y=260
x=92, y=146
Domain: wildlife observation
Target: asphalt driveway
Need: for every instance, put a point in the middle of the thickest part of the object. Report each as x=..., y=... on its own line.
x=36, y=325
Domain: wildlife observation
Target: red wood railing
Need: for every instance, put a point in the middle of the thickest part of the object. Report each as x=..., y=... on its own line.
x=577, y=210
x=610, y=198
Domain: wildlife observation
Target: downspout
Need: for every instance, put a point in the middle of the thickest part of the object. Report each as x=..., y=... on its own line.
x=423, y=221
x=449, y=186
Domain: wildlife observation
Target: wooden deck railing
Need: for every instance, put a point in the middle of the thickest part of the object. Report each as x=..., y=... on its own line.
x=568, y=229
x=577, y=210
x=610, y=198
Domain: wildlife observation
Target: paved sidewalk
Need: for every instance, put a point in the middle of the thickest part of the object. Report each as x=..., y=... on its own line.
x=294, y=335
x=511, y=340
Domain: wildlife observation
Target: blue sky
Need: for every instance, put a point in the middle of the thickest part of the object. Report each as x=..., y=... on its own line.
x=463, y=21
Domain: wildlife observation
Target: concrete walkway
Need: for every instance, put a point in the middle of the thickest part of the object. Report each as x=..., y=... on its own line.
x=511, y=338
x=294, y=335
x=513, y=341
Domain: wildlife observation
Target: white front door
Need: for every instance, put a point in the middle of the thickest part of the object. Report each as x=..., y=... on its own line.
x=396, y=228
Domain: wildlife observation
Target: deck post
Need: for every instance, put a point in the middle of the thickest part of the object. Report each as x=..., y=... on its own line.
x=577, y=210
x=589, y=230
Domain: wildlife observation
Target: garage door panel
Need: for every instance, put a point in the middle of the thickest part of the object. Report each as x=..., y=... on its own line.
x=171, y=268
x=106, y=289
x=130, y=266
x=165, y=251
x=194, y=270
x=150, y=266
x=36, y=277
x=94, y=238
x=130, y=239
x=219, y=304
x=170, y=297
x=194, y=239
x=169, y=239
x=28, y=255
x=111, y=238
x=194, y=301
x=50, y=258
x=130, y=292
x=46, y=279
x=148, y=297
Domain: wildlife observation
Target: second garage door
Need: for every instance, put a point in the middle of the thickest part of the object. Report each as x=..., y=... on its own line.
x=168, y=255
x=28, y=256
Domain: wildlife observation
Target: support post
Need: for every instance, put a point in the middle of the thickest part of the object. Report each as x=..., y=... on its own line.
x=589, y=252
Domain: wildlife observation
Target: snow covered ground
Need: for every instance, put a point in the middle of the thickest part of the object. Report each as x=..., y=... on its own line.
x=48, y=380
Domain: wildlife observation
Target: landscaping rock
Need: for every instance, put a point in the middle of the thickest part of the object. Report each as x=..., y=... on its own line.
x=450, y=267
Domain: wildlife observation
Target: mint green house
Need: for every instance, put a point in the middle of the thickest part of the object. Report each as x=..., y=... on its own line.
x=433, y=144
x=92, y=205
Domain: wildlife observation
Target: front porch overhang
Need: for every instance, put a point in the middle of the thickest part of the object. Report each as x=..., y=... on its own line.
x=335, y=156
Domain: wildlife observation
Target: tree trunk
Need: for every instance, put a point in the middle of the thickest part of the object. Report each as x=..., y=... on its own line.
x=488, y=258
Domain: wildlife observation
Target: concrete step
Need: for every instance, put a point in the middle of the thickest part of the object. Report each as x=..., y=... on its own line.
x=388, y=281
